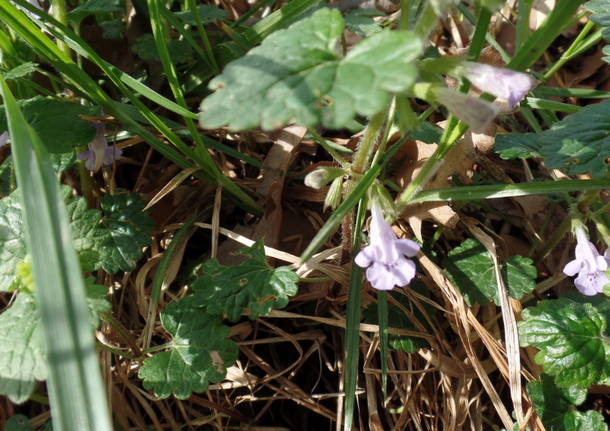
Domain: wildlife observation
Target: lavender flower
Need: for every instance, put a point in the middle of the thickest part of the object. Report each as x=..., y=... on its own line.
x=589, y=265
x=475, y=112
x=99, y=152
x=385, y=255
x=503, y=83
x=4, y=137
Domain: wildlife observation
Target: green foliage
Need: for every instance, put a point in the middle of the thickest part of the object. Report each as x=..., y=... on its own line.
x=579, y=143
x=18, y=423
x=22, y=351
x=600, y=14
x=361, y=22
x=93, y=7
x=571, y=340
x=23, y=70
x=207, y=14
x=471, y=269
x=199, y=352
x=56, y=122
x=12, y=243
x=127, y=230
x=179, y=50
x=296, y=74
x=252, y=285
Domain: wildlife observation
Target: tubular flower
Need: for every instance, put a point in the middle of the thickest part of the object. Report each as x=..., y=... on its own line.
x=503, y=83
x=475, y=112
x=589, y=265
x=385, y=255
x=99, y=152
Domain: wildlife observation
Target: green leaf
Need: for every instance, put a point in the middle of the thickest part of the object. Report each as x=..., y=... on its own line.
x=113, y=29
x=92, y=7
x=552, y=403
x=12, y=242
x=96, y=300
x=207, y=14
x=24, y=69
x=579, y=144
x=600, y=14
x=296, y=74
x=128, y=230
x=571, y=340
x=587, y=421
x=362, y=22
x=252, y=285
x=179, y=50
x=200, y=352
x=57, y=122
x=22, y=352
x=18, y=423
x=86, y=232
x=471, y=269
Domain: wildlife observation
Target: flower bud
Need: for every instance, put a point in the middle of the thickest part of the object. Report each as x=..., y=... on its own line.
x=319, y=177
x=333, y=197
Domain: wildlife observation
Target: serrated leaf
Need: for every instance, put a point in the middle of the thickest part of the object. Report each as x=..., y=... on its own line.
x=570, y=337
x=56, y=122
x=297, y=75
x=128, y=229
x=22, y=357
x=200, y=352
x=252, y=285
x=471, y=269
x=207, y=14
x=579, y=144
x=96, y=300
x=362, y=22
x=92, y=7
x=85, y=228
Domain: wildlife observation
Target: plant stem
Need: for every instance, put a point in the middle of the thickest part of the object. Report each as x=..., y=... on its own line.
x=59, y=12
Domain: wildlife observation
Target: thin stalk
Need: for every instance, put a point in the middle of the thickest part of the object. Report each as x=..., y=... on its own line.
x=382, y=315
x=203, y=35
x=575, y=47
x=523, y=22
x=59, y=12
x=330, y=150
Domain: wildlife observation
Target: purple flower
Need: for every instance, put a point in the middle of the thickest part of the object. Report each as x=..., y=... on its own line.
x=99, y=152
x=589, y=265
x=4, y=137
x=503, y=83
x=385, y=255
x=475, y=112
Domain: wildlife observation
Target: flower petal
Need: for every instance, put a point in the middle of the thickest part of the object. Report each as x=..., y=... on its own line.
x=380, y=277
x=477, y=113
x=572, y=267
x=406, y=247
x=501, y=82
x=403, y=271
x=366, y=256
x=383, y=237
x=591, y=283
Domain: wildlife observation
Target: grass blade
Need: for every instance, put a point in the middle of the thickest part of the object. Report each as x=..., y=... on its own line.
x=77, y=394
x=382, y=313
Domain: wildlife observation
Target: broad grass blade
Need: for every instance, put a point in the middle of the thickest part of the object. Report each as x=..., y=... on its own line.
x=76, y=391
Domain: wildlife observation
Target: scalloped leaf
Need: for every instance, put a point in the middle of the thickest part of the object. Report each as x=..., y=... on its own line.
x=600, y=14
x=127, y=230
x=199, y=354
x=579, y=144
x=252, y=285
x=471, y=269
x=297, y=75
x=571, y=340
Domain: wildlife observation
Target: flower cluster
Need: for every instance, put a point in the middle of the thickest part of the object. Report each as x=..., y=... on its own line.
x=590, y=266
x=99, y=151
x=385, y=255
